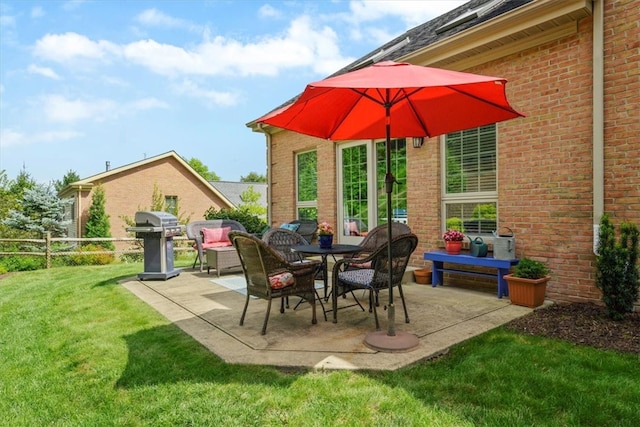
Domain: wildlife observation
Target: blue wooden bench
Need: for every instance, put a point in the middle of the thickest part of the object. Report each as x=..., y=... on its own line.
x=439, y=258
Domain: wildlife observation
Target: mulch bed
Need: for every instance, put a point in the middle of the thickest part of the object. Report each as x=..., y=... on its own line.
x=583, y=324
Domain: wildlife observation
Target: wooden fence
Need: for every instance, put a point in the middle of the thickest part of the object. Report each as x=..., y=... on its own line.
x=48, y=247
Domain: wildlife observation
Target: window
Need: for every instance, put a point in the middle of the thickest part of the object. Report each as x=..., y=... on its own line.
x=307, y=185
x=171, y=205
x=470, y=196
x=363, y=197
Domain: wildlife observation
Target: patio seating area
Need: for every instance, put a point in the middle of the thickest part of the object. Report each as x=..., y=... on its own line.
x=209, y=309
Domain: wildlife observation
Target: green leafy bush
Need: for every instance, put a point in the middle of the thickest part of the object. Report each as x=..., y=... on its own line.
x=251, y=222
x=528, y=268
x=617, y=270
x=86, y=257
x=23, y=263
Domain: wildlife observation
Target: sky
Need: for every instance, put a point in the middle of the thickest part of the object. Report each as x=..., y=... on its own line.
x=83, y=83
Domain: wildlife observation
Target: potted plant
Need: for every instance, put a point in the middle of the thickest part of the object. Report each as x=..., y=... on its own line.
x=453, y=241
x=528, y=283
x=325, y=235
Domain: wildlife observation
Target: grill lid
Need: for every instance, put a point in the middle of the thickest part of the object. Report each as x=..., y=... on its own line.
x=155, y=219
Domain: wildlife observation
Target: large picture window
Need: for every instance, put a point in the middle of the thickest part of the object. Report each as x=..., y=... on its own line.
x=307, y=185
x=470, y=181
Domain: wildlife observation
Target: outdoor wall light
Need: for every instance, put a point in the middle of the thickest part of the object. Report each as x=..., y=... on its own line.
x=418, y=141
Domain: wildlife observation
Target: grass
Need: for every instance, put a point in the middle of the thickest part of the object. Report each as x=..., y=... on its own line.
x=77, y=349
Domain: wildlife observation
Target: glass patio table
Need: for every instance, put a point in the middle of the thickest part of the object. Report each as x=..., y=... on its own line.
x=324, y=253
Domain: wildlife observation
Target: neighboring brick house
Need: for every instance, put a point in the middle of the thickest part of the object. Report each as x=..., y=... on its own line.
x=572, y=66
x=130, y=188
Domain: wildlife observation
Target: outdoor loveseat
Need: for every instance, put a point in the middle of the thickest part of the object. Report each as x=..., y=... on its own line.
x=215, y=237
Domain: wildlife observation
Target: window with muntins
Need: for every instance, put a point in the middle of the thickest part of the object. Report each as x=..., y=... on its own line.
x=470, y=199
x=307, y=185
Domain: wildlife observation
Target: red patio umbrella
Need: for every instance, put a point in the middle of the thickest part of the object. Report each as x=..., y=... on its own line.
x=394, y=100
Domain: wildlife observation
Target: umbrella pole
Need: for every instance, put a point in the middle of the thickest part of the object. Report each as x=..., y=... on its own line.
x=392, y=341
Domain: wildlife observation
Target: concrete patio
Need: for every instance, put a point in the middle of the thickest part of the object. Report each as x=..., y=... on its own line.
x=209, y=308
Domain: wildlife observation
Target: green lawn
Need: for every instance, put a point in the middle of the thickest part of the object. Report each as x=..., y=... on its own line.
x=77, y=349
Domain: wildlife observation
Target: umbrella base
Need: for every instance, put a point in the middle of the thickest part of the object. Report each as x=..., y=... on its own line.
x=399, y=343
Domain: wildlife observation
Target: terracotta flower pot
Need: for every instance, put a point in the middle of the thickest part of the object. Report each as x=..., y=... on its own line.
x=527, y=292
x=422, y=276
x=453, y=247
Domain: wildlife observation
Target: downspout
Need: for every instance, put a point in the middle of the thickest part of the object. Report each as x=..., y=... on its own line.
x=268, y=139
x=598, y=118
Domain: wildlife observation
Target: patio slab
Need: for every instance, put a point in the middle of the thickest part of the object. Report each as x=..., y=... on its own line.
x=209, y=309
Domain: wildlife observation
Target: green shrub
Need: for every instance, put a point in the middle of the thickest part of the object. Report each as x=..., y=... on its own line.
x=617, y=270
x=86, y=257
x=251, y=222
x=23, y=262
x=528, y=268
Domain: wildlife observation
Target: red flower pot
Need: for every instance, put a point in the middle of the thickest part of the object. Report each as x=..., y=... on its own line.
x=453, y=247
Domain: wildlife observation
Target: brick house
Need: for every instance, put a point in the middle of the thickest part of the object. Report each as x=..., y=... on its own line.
x=129, y=189
x=572, y=66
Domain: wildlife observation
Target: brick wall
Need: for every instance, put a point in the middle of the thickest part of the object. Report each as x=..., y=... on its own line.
x=545, y=187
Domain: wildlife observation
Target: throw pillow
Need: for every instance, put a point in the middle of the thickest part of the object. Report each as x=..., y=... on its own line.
x=215, y=235
x=291, y=227
x=282, y=280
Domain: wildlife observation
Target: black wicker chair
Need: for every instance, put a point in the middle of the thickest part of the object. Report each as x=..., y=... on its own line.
x=375, y=277
x=283, y=240
x=307, y=228
x=261, y=264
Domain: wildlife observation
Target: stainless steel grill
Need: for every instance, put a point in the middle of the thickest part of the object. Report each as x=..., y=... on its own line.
x=157, y=230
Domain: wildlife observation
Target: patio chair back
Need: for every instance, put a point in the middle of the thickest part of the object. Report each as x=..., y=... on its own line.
x=264, y=271
x=307, y=228
x=378, y=237
x=282, y=240
x=375, y=277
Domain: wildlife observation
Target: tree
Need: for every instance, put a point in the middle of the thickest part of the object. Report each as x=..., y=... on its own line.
x=23, y=182
x=70, y=176
x=617, y=267
x=253, y=177
x=250, y=202
x=98, y=221
x=41, y=211
x=203, y=170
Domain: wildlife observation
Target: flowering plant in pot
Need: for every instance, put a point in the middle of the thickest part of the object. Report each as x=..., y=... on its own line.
x=528, y=283
x=325, y=235
x=453, y=236
x=324, y=228
x=453, y=241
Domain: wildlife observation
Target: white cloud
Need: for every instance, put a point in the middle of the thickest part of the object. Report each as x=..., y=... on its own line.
x=301, y=45
x=58, y=108
x=43, y=71
x=155, y=18
x=37, y=12
x=212, y=97
x=268, y=11
x=66, y=47
x=147, y=104
x=72, y=4
x=410, y=11
x=9, y=137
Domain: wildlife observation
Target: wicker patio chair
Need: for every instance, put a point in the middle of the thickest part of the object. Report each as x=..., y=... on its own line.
x=194, y=232
x=270, y=276
x=307, y=228
x=375, y=278
x=283, y=240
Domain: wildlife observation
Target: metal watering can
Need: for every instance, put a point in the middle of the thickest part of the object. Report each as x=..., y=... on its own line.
x=478, y=247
